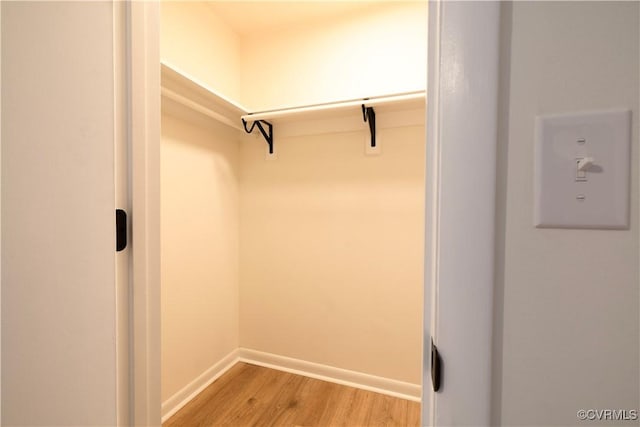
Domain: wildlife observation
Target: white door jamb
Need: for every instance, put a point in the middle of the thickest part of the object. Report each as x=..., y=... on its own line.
x=462, y=115
x=144, y=97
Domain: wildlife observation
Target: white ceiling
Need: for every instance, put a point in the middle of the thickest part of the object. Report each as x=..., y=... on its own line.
x=250, y=16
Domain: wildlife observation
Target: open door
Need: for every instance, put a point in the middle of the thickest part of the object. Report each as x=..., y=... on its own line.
x=62, y=122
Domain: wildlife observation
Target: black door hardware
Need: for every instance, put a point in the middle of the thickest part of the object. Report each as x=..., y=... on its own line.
x=436, y=367
x=121, y=230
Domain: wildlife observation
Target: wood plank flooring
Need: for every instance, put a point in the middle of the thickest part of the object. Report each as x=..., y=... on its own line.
x=249, y=395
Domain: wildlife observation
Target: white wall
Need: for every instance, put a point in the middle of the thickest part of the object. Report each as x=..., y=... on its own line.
x=195, y=40
x=378, y=51
x=569, y=337
x=58, y=251
x=199, y=245
x=332, y=249
x=365, y=52
x=199, y=206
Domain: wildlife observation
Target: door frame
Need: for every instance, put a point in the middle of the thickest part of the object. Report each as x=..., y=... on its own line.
x=462, y=119
x=143, y=39
x=461, y=153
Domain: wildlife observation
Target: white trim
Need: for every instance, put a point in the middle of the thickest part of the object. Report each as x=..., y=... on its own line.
x=432, y=213
x=179, y=87
x=169, y=94
x=0, y=214
x=172, y=72
x=195, y=387
x=144, y=99
x=390, y=387
x=121, y=201
x=463, y=83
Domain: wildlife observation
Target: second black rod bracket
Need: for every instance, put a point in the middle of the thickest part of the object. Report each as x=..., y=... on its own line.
x=268, y=136
x=369, y=115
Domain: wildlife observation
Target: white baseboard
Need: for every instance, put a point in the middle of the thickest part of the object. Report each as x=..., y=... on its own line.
x=191, y=390
x=403, y=390
x=346, y=377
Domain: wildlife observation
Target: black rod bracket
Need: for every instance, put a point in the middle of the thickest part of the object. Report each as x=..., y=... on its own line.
x=369, y=115
x=268, y=136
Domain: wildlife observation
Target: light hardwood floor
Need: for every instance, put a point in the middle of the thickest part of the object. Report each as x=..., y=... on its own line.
x=249, y=395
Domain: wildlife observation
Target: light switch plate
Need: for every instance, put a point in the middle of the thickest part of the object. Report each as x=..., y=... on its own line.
x=599, y=198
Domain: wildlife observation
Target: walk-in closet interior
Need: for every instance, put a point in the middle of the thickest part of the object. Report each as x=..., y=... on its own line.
x=308, y=258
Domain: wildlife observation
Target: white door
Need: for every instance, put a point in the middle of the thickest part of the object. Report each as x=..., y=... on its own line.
x=60, y=123
x=461, y=167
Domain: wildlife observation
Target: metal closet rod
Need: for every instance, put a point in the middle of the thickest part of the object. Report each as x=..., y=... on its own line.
x=271, y=114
